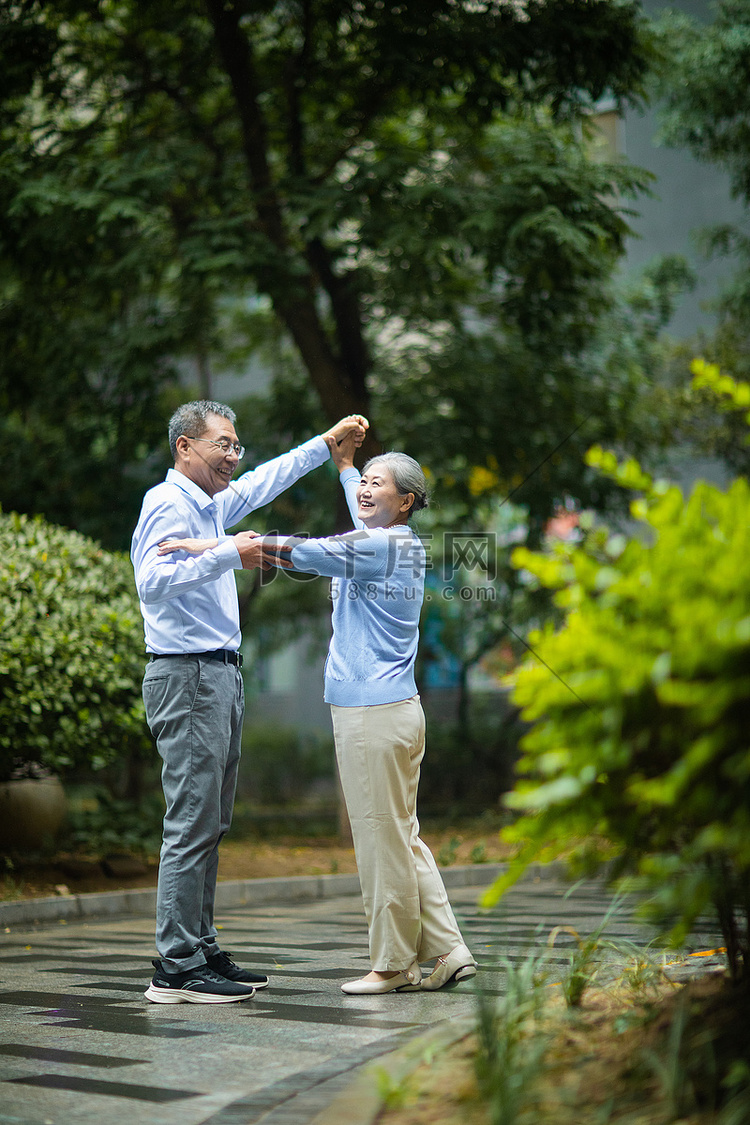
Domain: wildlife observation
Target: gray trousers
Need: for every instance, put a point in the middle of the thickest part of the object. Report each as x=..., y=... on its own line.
x=194, y=709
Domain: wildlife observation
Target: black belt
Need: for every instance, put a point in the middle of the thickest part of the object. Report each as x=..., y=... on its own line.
x=225, y=655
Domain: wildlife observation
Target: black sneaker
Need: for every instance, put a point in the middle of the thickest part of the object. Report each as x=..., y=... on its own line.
x=196, y=986
x=223, y=964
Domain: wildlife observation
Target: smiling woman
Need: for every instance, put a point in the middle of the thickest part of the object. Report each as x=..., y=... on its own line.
x=391, y=488
x=377, y=590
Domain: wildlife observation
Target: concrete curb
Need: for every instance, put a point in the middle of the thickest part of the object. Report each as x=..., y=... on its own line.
x=240, y=892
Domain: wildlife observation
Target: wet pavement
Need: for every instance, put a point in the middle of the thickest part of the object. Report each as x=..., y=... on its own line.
x=79, y=1043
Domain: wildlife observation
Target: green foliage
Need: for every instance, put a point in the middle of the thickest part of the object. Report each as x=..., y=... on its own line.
x=108, y=824
x=392, y=1092
x=736, y=396
x=542, y=345
x=675, y=1088
x=582, y=970
x=448, y=852
x=87, y=342
x=701, y=1063
x=174, y=173
x=466, y=771
x=586, y=957
x=71, y=651
x=706, y=64
x=512, y=1043
x=639, y=736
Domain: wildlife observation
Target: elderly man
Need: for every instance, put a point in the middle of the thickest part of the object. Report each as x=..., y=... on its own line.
x=192, y=687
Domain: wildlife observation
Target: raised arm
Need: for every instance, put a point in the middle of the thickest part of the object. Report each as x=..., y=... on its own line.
x=260, y=486
x=342, y=454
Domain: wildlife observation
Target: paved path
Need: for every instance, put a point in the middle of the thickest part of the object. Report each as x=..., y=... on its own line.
x=79, y=1044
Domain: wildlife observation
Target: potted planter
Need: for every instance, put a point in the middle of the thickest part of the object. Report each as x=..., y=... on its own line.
x=32, y=810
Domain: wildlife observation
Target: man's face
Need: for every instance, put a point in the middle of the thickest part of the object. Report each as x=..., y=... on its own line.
x=205, y=464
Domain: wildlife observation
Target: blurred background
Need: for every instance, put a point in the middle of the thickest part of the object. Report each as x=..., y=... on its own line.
x=502, y=229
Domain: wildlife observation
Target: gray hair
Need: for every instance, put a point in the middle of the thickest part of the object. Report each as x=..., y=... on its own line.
x=191, y=419
x=407, y=476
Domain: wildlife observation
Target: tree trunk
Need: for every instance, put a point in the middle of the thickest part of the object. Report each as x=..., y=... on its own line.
x=290, y=282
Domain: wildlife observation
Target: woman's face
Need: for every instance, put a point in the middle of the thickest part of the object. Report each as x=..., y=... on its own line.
x=380, y=502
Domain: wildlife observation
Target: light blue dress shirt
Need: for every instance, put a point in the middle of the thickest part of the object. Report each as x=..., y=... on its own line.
x=189, y=602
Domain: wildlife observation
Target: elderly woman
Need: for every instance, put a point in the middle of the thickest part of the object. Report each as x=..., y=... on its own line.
x=378, y=722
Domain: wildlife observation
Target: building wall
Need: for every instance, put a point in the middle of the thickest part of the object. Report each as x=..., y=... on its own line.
x=688, y=195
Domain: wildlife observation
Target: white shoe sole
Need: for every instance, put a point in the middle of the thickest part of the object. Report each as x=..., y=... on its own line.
x=380, y=991
x=411, y=982
x=184, y=996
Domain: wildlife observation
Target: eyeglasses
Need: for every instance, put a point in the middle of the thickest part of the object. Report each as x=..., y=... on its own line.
x=224, y=444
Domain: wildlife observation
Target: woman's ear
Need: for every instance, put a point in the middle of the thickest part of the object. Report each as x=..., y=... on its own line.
x=407, y=502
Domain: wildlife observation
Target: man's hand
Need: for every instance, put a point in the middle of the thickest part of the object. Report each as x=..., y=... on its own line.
x=254, y=552
x=355, y=425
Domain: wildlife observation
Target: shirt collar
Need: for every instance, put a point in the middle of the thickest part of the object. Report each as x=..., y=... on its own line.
x=194, y=491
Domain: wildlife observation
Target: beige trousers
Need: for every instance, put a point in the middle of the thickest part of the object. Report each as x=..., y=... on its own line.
x=379, y=750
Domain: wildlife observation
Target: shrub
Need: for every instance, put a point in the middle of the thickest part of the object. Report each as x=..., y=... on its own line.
x=281, y=766
x=71, y=652
x=467, y=767
x=107, y=824
x=640, y=734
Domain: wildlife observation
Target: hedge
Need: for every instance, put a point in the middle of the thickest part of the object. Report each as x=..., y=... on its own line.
x=71, y=651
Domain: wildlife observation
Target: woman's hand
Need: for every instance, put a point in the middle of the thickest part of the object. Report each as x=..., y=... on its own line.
x=342, y=453
x=192, y=546
x=355, y=425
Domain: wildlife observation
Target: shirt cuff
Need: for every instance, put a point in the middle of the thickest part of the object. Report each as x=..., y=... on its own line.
x=350, y=474
x=228, y=555
x=318, y=448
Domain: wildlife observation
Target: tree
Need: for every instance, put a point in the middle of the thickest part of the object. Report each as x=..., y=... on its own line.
x=363, y=170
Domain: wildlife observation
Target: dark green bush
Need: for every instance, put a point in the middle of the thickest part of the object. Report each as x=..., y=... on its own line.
x=71, y=652
x=106, y=824
x=280, y=766
x=640, y=736
x=468, y=766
